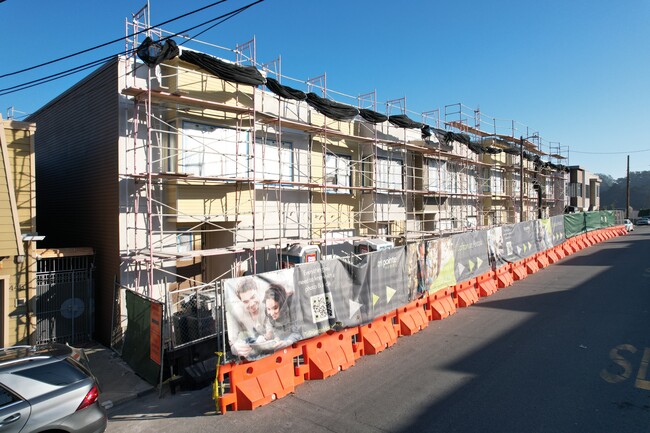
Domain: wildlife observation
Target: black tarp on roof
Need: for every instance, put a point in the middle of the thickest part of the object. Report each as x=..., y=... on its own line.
x=372, y=116
x=227, y=71
x=512, y=150
x=403, y=121
x=153, y=53
x=285, y=91
x=333, y=110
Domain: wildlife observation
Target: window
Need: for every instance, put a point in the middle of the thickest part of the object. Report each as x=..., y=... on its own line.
x=273, y=162
x=516, y=183
x=6, y=397
x=496, y=182
x=211, y=151
x=55, y=373
x=185, y=242
x=389, y=173
x=437, y=175
x=472, y=182
x=338, y=171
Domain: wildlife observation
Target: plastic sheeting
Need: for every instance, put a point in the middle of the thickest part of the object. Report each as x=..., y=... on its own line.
x=372, y=116
x=285, y=91
x=227, y=71
x=153, y=53
x=332, y=109
x=403, y=121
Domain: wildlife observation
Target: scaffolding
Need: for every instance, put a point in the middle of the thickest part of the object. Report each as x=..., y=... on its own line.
x=218, y=177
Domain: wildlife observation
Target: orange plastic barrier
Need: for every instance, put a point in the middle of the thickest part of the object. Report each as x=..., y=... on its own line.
x=542, y=259
x=377, y=335
x=552, y=255
x=486, y=284
x=327, y=354
x=253, y=384
x=531, y=265
x=466, y=294
x=518, y=270
x=504, y=276
x=441, y=304
x=413, y=317
x=567, y=248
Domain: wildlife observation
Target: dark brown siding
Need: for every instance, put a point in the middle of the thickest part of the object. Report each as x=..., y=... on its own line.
x=77, y=178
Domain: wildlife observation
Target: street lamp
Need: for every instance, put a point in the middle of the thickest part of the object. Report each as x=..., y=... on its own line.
x=521, y=174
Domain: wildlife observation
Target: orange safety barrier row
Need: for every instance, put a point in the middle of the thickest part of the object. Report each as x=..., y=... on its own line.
x=466, y=294
x=486, y=284
x=377, y=335
x=253, y=384
x=413, y=317
x=327, y=354
x=441, y=304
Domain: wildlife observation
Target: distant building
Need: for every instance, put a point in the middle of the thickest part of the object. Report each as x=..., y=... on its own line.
x=584, y=190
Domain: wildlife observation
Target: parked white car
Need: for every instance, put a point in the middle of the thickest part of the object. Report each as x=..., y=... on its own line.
x=628, y=225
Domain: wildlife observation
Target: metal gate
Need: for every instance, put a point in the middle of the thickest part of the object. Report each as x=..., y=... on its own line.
x=64, y=305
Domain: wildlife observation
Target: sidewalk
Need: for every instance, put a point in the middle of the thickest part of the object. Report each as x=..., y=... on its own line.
x=118, y=383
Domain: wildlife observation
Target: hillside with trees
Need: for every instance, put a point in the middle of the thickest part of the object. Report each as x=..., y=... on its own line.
x=612, y=191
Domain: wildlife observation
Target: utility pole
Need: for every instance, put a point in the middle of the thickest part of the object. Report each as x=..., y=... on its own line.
x=627, y=190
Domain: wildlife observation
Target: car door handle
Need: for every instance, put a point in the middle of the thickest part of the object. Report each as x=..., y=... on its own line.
x=10, y=419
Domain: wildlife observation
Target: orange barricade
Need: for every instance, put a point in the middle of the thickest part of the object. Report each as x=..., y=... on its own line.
x=253, y=384
x=376, y=336
x=327, y=354
x=531, y=265
x=486, y=284
x=441, y=304
x=518, y=270
x=413, y=317
x=567, y=248
x=504, y=276
x=466, y=294
x=542, y=259
x=552, y=255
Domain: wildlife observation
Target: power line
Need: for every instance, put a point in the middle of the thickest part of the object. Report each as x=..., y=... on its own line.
x=622, y=152
x=110, y=42
x=74, y=70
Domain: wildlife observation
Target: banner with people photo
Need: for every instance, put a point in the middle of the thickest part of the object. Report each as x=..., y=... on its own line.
x=261, y=316
x=416, y=269
x=543, y=234
x=440, y=264
x=470, y=255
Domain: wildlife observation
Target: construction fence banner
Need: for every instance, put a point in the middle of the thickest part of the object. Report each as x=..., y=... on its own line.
x=557, y=229
x=470, y=255
x=137, y=339
x=582, y=222
x=440, y=264
x=269, y=311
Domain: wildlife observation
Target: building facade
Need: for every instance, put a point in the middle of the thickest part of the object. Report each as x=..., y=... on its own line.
x=17, y=226
x=180, y=176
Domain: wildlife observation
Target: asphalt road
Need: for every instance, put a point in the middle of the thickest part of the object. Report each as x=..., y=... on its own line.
x=565, y=350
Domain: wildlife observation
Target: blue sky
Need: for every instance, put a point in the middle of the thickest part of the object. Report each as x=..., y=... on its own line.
x=575, y=71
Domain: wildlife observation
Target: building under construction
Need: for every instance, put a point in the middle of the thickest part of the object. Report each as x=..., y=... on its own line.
x=182, y=167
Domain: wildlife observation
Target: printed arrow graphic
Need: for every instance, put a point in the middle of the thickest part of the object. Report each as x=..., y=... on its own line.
x=354, y=308
x=390, y=292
